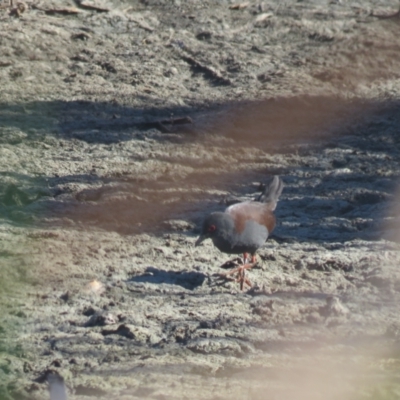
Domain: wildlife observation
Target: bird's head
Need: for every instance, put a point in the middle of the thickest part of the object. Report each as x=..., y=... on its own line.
x=212, y=226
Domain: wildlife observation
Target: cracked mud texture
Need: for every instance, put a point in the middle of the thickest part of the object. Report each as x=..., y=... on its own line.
x=102, y=193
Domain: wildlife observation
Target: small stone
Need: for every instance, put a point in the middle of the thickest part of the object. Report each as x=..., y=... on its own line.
x=102, y=319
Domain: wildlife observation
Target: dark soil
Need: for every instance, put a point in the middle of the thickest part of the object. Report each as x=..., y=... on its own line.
x=121, y=128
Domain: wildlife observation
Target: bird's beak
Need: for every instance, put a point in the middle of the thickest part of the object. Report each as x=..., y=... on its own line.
x=200, y=240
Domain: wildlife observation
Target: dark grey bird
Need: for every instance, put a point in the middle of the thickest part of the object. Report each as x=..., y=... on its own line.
x=244, y=227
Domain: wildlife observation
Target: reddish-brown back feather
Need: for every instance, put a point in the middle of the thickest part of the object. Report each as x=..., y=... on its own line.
x=257, y=212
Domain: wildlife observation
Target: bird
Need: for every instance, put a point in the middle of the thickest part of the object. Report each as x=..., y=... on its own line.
x=243, y=228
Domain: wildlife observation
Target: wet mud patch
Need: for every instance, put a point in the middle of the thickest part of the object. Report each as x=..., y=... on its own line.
x=155, y=166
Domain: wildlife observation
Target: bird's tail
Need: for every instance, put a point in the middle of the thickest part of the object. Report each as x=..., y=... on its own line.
x=272, y=190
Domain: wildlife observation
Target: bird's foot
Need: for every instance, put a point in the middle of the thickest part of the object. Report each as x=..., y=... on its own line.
x=240, y=275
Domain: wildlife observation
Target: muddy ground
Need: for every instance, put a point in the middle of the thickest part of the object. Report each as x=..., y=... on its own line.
x=102, y=192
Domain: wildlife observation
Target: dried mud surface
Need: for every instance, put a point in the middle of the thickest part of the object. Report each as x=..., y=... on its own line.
x=102, y=194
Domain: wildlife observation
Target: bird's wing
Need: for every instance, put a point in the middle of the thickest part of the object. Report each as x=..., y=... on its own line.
x=254, y=211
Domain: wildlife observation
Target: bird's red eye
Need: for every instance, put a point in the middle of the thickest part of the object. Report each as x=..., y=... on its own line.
x=211, y=228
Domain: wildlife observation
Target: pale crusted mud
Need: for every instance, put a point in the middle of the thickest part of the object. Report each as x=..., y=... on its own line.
x=121, y=129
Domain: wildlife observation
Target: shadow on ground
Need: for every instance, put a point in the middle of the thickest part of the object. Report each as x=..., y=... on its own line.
x=188, y=280
x=277, y=119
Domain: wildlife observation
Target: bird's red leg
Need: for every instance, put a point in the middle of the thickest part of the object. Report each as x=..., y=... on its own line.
x=241, y=271
x=241, y=277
